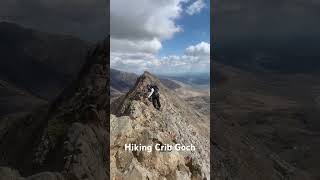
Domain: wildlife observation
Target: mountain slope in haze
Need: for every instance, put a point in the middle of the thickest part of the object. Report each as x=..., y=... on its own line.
x=198, y=96
x=68, y=140
x=41, y=63
x=122, y=82
x=135, y=120
x=191, y=79
x=265, y=125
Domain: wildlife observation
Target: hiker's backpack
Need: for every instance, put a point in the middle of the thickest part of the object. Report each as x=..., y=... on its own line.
x=156, y=89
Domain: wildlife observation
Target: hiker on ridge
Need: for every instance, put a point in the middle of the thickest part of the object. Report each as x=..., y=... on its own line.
x=154, y=95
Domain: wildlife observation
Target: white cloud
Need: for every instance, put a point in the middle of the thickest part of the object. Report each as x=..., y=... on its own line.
x=137, y=33
x=195, y=7
x=131, y=46
x=141, y=25
x=195, y=59
x=144, y=19
x=201, y=49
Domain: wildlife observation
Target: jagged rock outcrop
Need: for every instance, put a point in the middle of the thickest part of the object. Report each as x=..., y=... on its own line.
x=74, y=140
x=135, y=121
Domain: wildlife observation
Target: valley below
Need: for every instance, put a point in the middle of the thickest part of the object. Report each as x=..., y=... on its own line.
x=265, y=124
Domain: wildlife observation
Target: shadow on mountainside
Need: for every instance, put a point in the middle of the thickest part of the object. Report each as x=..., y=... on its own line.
x=69, y=140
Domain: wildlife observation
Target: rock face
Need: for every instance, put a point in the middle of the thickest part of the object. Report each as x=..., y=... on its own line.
x=73, y=139
x=134, y=120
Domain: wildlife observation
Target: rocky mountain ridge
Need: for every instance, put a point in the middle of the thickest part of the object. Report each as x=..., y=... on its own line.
x=122, y=82
x=134, y=120
x=68, y=140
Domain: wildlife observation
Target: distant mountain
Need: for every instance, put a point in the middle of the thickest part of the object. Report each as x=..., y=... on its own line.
x=38, y=62
x=122, y=82
x=169, y=83
x=135, y=120
x=191, y=79
x=288, y=57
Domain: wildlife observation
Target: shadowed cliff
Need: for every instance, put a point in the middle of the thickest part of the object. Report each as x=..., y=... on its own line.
x=69, y=140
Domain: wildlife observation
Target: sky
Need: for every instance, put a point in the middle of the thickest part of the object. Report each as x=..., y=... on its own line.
x=161, y=36
x=169, y=29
